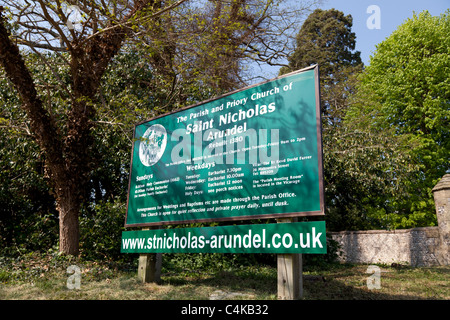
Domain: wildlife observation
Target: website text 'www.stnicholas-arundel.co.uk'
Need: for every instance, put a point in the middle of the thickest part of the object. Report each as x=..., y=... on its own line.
x=223, y=239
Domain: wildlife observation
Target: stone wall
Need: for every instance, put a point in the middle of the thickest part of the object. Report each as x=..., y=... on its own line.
x=415, y=247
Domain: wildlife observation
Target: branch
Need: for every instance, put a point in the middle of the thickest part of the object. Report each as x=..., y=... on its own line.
x=33, y=44
x=112, y=123
x=54, y=24
x=24, y=130
x=127, y=23
x=39, y=28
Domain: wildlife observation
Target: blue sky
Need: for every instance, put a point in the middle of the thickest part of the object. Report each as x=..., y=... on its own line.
x=392, y=14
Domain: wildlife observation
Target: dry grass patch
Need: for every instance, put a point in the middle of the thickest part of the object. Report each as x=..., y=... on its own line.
x=36, y=278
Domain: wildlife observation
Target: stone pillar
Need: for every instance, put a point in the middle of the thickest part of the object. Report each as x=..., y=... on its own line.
x=441, y=193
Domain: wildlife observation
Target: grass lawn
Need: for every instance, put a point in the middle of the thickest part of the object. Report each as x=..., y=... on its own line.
x=37, y=277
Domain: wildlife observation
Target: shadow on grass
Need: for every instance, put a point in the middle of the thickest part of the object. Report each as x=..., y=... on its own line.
x=255, y=284
x=342, y=283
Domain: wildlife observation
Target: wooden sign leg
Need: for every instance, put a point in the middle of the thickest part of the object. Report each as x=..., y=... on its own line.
x=290, y=274
x=149, y=269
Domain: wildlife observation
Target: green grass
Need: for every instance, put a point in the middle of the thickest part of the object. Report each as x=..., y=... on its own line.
x=44, y=277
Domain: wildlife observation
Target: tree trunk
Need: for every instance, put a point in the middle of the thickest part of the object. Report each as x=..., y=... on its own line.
x=69, y=235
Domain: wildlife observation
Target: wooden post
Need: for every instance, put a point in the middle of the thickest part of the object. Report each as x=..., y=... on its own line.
x=290, y=273
x=149, y=268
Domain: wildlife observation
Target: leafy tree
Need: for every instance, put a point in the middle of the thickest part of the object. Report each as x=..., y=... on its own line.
x=406, y=91
x=68, y=150
x=325, y=38
x=28, y=219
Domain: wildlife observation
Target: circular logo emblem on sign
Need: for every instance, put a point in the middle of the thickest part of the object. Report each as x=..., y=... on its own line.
x=152, y=145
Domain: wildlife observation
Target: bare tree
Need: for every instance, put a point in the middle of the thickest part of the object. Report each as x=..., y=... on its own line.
x=217, y=43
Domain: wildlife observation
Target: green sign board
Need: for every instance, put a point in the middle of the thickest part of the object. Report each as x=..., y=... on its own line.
x=253, y=153
x=280, y=238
